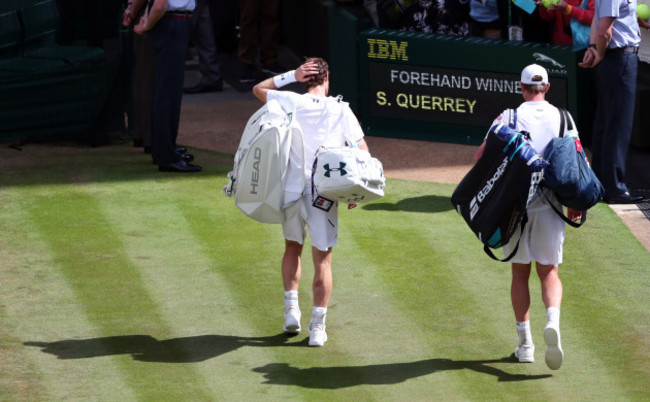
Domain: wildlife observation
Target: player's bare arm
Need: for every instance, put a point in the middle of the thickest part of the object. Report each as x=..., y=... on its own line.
x=601, y=35
x=301, y=74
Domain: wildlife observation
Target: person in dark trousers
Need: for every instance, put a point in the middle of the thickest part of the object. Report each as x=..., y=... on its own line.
x=259, y=32
x=613, y=49
x=206, y=46
x=167, y=23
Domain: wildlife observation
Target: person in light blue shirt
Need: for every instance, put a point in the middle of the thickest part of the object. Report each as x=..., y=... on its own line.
x=167, y=24
x=485, y=18
x=613, y=53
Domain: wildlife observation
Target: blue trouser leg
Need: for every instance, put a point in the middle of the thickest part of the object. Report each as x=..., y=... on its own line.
x=169, y=39
x=616, y=76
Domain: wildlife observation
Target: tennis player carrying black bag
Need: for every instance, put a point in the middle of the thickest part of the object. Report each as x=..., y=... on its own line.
x=493, y=196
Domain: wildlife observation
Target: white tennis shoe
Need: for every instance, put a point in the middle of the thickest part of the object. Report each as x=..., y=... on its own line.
x=317, y=334
x=292, y=320
x=525, y=353
x=554, y=353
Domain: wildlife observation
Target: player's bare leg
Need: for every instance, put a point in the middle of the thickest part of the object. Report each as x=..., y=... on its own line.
x=552, y=297
x=520, y=297
x=322, y=287
x=291, y=272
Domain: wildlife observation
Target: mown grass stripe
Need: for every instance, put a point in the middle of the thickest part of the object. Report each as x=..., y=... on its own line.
x=91, y=258
x=250, y=265
x=416, y=309
x=467, y=274
x=185, y=277
x=40, y=307
x=20, y=378
x=437, y=292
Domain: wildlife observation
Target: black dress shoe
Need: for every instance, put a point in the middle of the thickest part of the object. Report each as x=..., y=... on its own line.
x=180, y=150
x=202, y=88
x=187, y=157
x=180, y=167
x=624, y=198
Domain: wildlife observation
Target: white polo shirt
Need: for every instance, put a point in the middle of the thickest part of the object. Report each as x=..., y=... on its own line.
x=324, y=121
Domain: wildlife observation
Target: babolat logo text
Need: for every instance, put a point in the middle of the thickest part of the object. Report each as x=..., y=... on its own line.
x=255, y=176
x=480, y=196
x=535, y=179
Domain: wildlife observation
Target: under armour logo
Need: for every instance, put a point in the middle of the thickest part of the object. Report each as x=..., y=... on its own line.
x=355, y=198
x=339, y=169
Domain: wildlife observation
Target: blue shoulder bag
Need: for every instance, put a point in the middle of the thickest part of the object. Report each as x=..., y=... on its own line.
x=569, y=175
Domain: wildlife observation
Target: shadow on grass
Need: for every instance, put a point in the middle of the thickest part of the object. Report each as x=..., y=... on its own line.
x=380, y=374
x=64, y=164
x=146, y=348
x=195, y=349
x=425, y=203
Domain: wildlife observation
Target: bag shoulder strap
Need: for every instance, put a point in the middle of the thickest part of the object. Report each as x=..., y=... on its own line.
x=566, y=219
x=512, y=118
x=489, y=252
x=563, y=121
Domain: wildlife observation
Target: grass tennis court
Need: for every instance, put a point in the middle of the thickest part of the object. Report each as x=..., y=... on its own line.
x=121, y=283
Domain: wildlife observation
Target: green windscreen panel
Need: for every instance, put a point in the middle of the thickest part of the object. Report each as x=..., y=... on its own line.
x=449, y=88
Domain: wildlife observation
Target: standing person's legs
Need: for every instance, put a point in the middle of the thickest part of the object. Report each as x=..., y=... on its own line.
x=248, y=38
x=291, y=272
x=169, y=39
x=519, y=292
x=206, y=45
x=624, y=116
x=270, y=33
x=323, y=229
x=598, y=130
x=552, y=297
x=616, y=76
x=322, y=285
x=551, y=285
x=143, y=87
x=520, y=297
x=291, y=265
x=322, y=288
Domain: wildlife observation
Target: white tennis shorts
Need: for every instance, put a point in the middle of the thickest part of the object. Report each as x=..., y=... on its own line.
x=322, y=225
x=542, y=240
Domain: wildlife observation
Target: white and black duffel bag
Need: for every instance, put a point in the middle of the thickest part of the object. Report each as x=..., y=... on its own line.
x=348, y=175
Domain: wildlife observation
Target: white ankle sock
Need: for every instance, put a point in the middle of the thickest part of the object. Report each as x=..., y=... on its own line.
x=523, y=330
x=553, y=315
x=319, y=314
x=290, y=298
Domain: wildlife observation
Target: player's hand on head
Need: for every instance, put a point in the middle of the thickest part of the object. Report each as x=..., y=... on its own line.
x=305, y=71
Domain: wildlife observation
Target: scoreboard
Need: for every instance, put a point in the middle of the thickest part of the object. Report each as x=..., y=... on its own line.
x=449, y=88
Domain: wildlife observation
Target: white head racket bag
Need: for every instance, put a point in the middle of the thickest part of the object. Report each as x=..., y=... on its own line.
x=258, y=178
